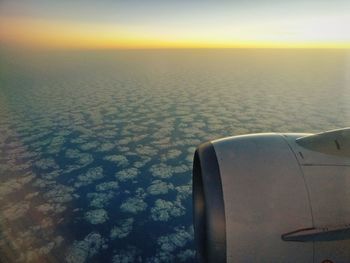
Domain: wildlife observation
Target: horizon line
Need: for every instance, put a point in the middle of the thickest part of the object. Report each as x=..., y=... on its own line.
x=40, y=48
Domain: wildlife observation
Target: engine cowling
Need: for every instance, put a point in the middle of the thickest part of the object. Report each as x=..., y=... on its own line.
x=273, y=198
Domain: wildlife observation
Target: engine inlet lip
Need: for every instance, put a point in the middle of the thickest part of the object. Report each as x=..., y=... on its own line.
x=208, y=206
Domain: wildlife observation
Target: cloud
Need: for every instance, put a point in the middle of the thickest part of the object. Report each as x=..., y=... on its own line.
x=100, y=200
x=15, y=210
x=123, y=149
x=31, y=195
x=138, y=138
x=108, y=134
x=178, y=239
x=164, y=210
x=159, y=187
x=169, y=244
x=106, y=147
x=171, y=154
x=97, y=216
x=146, y=150
x=85, y=249
x=124, y=141
x=14, y=184
x=183, y=191
x=144, y=160
x=46, y=163
x=189, y=158
x=16, y=167
x=43, y=183
x=123, y=228
x=35, y=253
x=140, y=193
x=119, y=160
x=181, y=168
x=161, y=170
x=48, y=208
x=51, y=175
x=112, y=185
x=56, y=144
x=127, y=174
x=133, y=205
x=89, y=146
x=190, y=142
x=84, y=159
x=157, y=138
x=59, y=193
x=72, y=153
x=190, y=155
x=93, y=174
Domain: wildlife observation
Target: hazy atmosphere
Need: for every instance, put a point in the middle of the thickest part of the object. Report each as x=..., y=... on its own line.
x=102, y=104
x=163, y=24
x=96, y=148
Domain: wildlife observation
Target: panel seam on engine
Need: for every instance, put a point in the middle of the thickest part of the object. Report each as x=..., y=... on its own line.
x=303, y=176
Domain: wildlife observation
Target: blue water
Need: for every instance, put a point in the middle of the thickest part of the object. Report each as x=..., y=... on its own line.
x=96, y=147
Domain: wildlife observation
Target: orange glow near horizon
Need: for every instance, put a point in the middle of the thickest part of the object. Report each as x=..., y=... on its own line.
x=40, y=33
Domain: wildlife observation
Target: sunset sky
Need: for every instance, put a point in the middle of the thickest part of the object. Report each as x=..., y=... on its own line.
x=175, y=24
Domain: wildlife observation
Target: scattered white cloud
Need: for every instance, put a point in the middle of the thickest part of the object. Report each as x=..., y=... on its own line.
x=45, y=160
x=72, y=153
x=164, y=210
x=171, y=154
x=84, y=160
x=127, y=174
x=161, y=170
x=146, y=150
x=93, y=174
x=159, y=187
x=59, y=194
x=123, y=228
x=15, y=210
x=45, y=164
x=105, y=147
x=183, y=191
x=178, y=239
x=144, y=160
x=88, y=146
x=14, y=184
x=97, y=216
x=169, y=244
x=85, y=249
x=100, y=200
x=105, y=186
x=47, y=208
x=133, y=205
x=119, y=160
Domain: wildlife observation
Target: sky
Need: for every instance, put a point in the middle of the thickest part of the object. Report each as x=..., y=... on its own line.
x=104, y=24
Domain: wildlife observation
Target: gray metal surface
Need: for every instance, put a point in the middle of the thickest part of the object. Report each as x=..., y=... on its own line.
x=325, y=162
x=209, y=213
x=336, y=142
x=264, y=196
x=286, y=196
x=310, y=156
x=329, y=188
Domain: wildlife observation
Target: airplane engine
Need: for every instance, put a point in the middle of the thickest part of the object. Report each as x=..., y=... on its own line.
x=273, y=198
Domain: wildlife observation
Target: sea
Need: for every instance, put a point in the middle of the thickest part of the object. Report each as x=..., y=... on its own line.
x=96, y=146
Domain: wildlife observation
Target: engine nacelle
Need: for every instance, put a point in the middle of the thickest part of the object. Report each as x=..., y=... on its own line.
x=273, y=198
